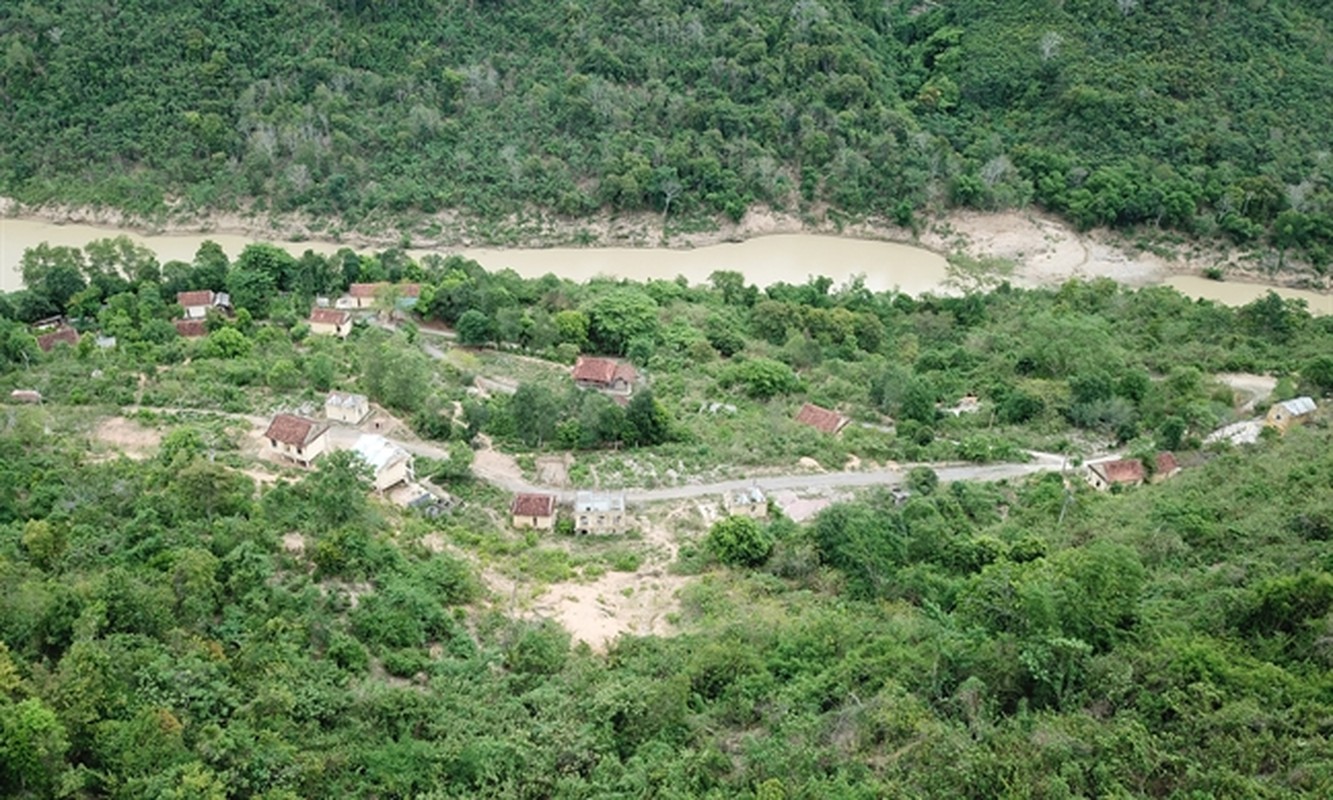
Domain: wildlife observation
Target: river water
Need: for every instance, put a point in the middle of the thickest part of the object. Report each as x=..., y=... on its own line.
x=763, y=261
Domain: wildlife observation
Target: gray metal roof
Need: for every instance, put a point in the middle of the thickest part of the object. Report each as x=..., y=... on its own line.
x=595, y=501
x=1298, y=406
x=346, y=400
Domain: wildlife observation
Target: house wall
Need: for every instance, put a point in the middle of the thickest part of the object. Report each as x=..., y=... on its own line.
x=539, y=523
x=754, y=510
x=395, y=473
x=1279, y=418
x=351, y=416
x=326, y=329
x=307, y=454
x=196, y=312
x=601, y=522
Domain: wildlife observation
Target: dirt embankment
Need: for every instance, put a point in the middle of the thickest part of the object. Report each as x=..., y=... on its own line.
x=1047, y=249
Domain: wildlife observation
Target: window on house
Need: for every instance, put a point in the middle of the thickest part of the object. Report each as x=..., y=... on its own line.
x=300, y=451
x=272, y=442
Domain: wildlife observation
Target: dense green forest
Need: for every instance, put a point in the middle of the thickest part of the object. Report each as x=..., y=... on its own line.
x=1204, y=117
x=159, y=637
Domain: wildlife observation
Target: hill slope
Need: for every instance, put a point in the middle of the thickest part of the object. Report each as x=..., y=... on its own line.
x=1200, y=115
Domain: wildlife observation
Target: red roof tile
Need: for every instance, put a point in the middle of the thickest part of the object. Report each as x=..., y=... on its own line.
x=329, y=316
x=1125, y=470
x=410, y=289
x=533, y=505
x=594, y=370
x=821, y=419
x=48, y=341
x=364, y=290
x=191, y=328
x=1166, y=463
x=203, y=297
x=293, y=430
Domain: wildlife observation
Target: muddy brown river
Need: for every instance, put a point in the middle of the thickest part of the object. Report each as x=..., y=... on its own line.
x=765, y=260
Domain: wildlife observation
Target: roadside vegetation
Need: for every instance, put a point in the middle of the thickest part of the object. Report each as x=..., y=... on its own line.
x=1194, y=118
x=178, y=618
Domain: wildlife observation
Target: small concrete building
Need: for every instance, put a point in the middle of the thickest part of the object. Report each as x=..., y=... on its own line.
x=346, y=407
x=533, y=511
x=749, y=502
x=390, y=464
x=297, y=438
x=330, y=322
x=1283, y=415
x=197, y=303
x=600, y=513
x=1167, y=467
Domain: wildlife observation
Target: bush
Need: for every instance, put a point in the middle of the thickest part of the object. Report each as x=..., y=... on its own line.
x=740, y=542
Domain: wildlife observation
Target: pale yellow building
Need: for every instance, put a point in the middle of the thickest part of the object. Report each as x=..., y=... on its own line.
x=297, y=438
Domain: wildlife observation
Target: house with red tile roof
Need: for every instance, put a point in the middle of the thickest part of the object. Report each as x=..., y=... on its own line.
x=533, y=511
x=197, y=303
x=297, y=438
x=605, y=375
x=62, y=335
x=821, y=419
x=330, y=322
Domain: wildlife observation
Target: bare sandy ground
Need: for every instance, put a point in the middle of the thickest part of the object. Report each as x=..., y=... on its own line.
x=129, y=437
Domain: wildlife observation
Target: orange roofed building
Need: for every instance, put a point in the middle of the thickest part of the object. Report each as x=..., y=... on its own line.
x=297, y=438
x=605, y=375
x=533, y=511
x=330, y=322
x=821, y=419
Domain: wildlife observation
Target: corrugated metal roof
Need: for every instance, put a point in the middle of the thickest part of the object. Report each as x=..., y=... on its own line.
x=378, y=452
x=593, y=501
x=1298, y=406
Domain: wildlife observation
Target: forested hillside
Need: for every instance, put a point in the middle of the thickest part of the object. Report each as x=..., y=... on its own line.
x=1207, y=117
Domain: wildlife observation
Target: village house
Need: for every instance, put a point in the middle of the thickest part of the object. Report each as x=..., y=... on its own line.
x=346, y=407
x=533, y=511
x=604, y=375
x=62, y=335
x=600, y=513
x=1167, y=467
x=390, y=464
x=330, y=322
x=191, y=328
x=362, y=295
x=749, y=502
x=197, y=303
x=821, y=419
x=296, y=438
x=1283, y=415
x=1118, y=472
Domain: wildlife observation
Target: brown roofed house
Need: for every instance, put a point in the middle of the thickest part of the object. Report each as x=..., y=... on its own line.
x=191, y=328
x=330, y=322
x=196, y=303
x=1120, y=472
x=362, y=295
x=296, y=438
x=1167, y=467
x=533, y=511
x=604, y=374
x=63, y=335
x=821, y=419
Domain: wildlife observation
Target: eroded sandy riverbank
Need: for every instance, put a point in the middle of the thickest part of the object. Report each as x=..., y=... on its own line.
x=764, y=245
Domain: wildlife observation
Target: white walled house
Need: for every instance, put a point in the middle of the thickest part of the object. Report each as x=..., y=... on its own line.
x=346, y=407
x=390, y=464
x=297, y=438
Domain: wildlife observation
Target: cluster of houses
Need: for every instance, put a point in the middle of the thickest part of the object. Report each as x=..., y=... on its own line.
x=604, y=513
x=302, y=440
